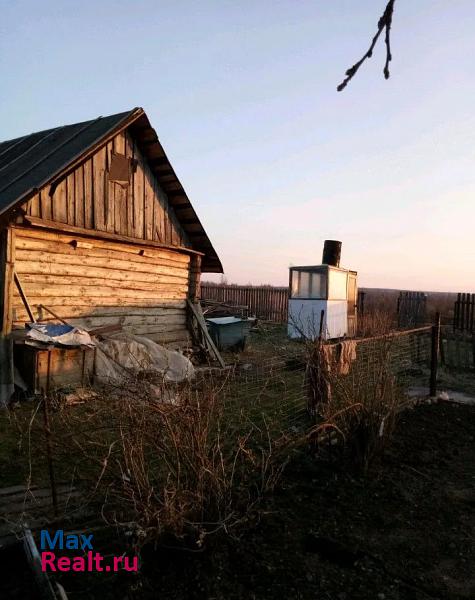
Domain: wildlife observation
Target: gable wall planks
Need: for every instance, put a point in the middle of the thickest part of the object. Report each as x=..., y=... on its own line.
x=86, y=198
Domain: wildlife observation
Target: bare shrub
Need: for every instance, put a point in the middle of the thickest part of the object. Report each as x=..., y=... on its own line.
x=355, y=411
x=184, y=460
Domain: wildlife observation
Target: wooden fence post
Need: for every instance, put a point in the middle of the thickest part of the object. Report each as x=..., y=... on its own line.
x=434, y=359
x=49, y=449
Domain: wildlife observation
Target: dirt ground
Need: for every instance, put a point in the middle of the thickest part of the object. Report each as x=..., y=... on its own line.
x=403, y=531
x=406, y=530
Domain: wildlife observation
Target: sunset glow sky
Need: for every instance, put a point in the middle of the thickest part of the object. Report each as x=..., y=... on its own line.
x=243, y=97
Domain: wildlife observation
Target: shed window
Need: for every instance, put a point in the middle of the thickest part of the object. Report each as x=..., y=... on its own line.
x=319, y=285
x=306, y=284
x=295, y=284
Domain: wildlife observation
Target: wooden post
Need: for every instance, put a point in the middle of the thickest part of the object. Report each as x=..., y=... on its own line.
x=434, y=360
x=23, y=297
x=442, y=349
x=194, y=277
x=7, y=266
x=456, y=312
x=7, y=271
x=49, y=451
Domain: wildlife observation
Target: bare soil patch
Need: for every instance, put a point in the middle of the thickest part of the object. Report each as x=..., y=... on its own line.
x=406, y=530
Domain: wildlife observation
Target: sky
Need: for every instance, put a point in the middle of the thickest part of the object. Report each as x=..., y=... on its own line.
x=243, y=97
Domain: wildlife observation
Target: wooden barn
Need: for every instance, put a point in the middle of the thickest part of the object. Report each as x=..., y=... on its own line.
x=97, y=228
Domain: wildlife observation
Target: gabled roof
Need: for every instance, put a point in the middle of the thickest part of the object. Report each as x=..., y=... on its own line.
x=33, y=161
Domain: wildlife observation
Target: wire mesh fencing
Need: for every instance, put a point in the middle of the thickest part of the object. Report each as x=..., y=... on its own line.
x=358, y=387
x=405, y=354
x=368, y=371
x=274, y=392
x=284, y=390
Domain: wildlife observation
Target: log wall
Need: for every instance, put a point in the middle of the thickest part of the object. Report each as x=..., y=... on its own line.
x=94, y=282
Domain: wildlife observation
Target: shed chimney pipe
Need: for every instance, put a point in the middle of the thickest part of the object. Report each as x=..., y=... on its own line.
x=331, y=253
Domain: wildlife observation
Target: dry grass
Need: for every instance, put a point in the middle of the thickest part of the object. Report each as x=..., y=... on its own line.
x=183, y=461
x=376, y=322
x=356, y=412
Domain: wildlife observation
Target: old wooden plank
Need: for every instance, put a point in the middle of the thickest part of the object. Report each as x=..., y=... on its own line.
x=139, y=187
x=120, y=192
x=34, y=206
x=45, y=204
x=79, y=196
x=37, y=290
x=159, y=208
x=104, y=235
x=170, y=319
x=149, y=200
x=198, y=315
x=76, y=246
x=88, y=195
x=71, y=198
x=179, y=338
x=162, y=310
x=110, y=186
x=129, y=152
x=59, y=207
x=33, y=256
x=23, y=297
x=76, y=274
x=68, y=313
x=7, y=273
x=99, y=186
x=118, y=282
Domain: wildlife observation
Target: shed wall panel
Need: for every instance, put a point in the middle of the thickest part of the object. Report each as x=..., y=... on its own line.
x=97, y=282
x=87, y=198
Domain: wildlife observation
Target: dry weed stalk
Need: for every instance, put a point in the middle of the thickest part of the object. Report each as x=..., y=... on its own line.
x=187, y=460
x=378, y=321
x=356, y=411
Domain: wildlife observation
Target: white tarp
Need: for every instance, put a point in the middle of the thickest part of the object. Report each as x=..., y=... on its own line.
x=123, y=354
x=65, y=335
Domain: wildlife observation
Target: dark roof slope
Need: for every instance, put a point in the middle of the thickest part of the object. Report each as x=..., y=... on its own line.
x=32, y=161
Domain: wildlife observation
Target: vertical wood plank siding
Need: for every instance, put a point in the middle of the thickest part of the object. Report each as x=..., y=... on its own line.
x=86, y=198
x=265, y=302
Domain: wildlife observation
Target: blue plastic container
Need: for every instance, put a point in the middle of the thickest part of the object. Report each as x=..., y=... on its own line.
x=229, y=332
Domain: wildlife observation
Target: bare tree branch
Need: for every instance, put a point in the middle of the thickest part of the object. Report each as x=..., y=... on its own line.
x=384, y=23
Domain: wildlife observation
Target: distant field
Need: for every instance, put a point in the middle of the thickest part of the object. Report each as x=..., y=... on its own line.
x=386, y=299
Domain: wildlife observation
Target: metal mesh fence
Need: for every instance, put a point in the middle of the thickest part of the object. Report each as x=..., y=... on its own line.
x=375, y=373
x=274, y=391
x=406, y=354
x=281, y=390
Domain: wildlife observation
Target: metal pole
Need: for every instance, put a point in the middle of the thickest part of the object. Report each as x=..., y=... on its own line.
x=434, y=359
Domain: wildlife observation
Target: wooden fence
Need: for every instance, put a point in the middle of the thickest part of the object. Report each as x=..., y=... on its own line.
x=464, y=308
x=264, y=302
x=411, y=309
